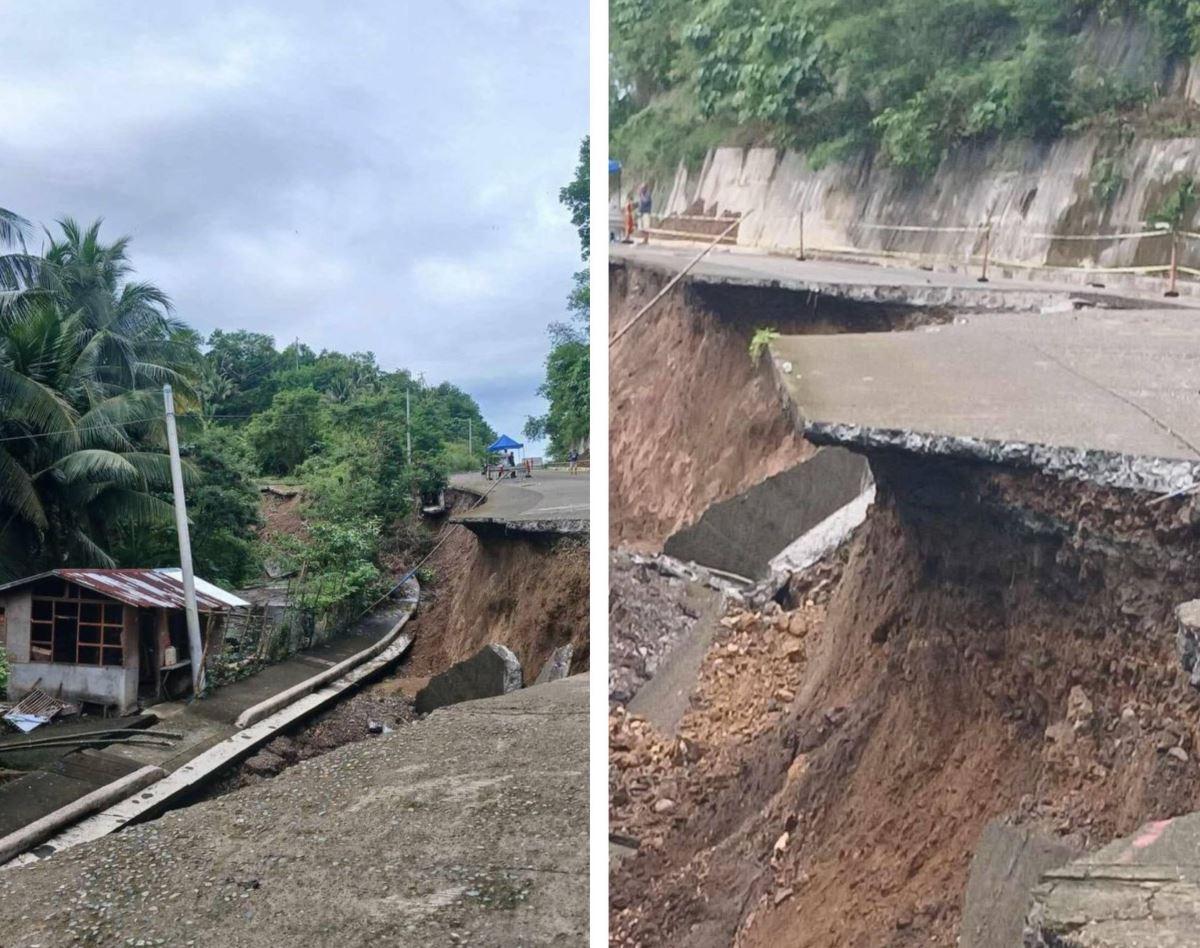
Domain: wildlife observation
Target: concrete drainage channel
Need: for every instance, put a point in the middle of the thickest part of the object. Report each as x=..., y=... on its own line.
x=112, y=807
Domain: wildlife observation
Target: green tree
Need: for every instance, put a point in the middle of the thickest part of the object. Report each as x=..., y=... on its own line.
x=567, y=384
x=577, y=198
x=907, y=79
x=566, y=388
x=247, y=361
x=288, y=432
x=223, y=509
x=81, y=432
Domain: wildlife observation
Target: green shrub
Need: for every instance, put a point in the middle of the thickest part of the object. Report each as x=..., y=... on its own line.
x=759, y=343
x=1106, y=180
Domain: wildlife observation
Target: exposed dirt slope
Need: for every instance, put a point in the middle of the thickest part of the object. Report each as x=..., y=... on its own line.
x=530, y=594
x=692, y=419
x=998, y=644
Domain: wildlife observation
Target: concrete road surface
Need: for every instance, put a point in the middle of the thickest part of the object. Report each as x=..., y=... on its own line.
x=469, y=827
x=1124, y=383
x=870, y=283
x=554, y=501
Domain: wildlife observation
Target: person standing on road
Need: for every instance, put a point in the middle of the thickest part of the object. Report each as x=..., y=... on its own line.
x=573, y=457
x=645, y=203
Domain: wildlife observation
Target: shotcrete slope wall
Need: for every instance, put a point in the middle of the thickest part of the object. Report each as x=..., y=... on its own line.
x=743, y=534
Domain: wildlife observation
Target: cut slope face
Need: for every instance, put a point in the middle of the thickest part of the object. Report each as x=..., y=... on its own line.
x=526, y=591
x=692, y=420
x=999, y=643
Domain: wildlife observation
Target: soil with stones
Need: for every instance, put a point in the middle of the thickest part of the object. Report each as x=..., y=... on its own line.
x=365, y=715
x=649, y=613
x=527, y=593
x=997, y=644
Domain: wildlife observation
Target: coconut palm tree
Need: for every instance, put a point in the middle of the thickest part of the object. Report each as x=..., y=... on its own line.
x=81, y=429
x=19, y=271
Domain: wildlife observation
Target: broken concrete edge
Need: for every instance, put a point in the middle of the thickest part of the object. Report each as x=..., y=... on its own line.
x=492, y=671
x=158, y=796
x=557, y=666
x=1187, y=639
x=495, y=526
x=411, y=594
x=42, y=829
x=692, y=572
x=1157, y=475
x=981, y=298
x=822, y=539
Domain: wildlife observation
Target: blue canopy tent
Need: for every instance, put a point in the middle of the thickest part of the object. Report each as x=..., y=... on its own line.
x=502, y=446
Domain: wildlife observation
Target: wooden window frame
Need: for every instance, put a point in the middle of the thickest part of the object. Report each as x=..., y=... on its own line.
x=108, y=633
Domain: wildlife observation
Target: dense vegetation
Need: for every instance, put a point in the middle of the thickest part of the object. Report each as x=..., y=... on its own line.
x=906, y=79
x=568, y=368
x=84, y=480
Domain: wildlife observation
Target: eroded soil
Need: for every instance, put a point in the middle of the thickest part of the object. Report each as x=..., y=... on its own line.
x=996, y=644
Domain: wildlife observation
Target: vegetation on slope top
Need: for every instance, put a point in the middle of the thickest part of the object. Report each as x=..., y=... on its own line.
x=907, y=79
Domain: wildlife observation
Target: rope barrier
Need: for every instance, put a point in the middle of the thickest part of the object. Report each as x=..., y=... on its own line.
x=988, y=230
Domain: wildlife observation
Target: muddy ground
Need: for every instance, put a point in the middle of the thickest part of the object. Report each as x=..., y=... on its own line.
x=996, y=644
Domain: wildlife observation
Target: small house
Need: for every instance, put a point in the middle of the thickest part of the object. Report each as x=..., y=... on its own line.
x=109, y=637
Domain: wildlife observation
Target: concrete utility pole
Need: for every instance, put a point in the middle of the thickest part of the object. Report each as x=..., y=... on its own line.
x=470, y=443
x=195, y=646
x=407, y=427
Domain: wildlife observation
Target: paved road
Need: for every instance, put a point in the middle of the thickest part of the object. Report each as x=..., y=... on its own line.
x=1116, y=381
x=554, y=500
x=466, y=828
x=876, y=283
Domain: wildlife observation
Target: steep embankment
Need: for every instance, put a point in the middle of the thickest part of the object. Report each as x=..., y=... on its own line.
x=996, y=644
x=529, y=593
x=693, y=420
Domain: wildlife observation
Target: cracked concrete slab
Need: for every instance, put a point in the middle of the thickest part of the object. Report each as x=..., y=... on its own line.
x=1142, y=891
x=548, y=502
x=1109, y=396
x=866, y=283
x=741, y=535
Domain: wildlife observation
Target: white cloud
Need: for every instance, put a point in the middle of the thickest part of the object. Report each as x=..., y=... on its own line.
x=381, y=176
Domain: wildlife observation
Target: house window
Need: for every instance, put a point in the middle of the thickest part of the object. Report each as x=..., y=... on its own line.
x=76, y=631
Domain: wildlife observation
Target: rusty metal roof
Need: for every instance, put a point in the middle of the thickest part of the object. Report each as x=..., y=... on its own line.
x=146, y=588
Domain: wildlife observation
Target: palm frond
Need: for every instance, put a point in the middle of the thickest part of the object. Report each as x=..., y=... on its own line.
x=18, y=492
x=86, y=552
x=156, y=469
x=98, y=465
x=29, y=400
x=13, y=227
x=132, y=507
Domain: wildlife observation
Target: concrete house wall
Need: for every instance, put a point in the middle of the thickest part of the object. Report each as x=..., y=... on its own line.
x=92, y=683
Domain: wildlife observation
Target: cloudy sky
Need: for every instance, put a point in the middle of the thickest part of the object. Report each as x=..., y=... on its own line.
x=366, y=176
